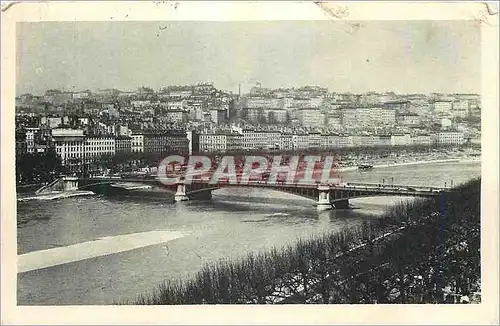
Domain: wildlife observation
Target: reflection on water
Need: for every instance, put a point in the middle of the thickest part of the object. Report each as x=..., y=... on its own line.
x=235, y=222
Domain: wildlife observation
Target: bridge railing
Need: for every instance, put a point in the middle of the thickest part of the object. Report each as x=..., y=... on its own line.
x=298, y=184
x=48, y=186
x=372, y=187
x=388, y=185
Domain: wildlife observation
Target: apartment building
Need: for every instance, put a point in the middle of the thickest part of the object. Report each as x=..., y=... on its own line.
x=263, y=102
x=123, y=144
x=408, y=119
x=172, y=141
x=375, y=115
x=398, y=105
x=334, y=121
x=368, y=116
x=175, y=116
x=349, y=119
x=213, y=142
x=234, y=141
x=327, y=140
x=31, y=134
x=286, y=142
x=218, y=116
x=253, y=115
x=70, y=145
x=450, y=138
x=98, y=146
x=259, y=139
x=219, y=141
x=461, y=105
x=400, y=140
x=155, y=143
x=20, y=142
x=277, y=116
x=385, y=116
x=300, y=141
x=365, y=140
x=314, y=140
x=140, y=103
x=51, y=122
x=442, y=107
x=310, y=117
x=460, y=109
x=364, y=117
x=81, y=95
x=336, y=141
x=315, y=102
x=177, y=141
x=137, y=145
x=421, y=139
x=384, y=140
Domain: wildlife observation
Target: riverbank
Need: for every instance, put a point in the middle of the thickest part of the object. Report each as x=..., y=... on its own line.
x=377, y=262
x=388, y=165
x=29, y=188
x=53, y=195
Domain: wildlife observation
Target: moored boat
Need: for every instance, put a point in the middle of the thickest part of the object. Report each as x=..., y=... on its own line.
x=365, y=167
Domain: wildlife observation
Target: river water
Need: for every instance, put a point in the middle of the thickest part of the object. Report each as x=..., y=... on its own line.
x=235, y=222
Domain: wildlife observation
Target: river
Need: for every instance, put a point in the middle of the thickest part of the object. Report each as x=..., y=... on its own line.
x=234, y=223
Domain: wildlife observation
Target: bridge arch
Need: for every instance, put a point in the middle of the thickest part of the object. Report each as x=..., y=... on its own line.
x=312, y=195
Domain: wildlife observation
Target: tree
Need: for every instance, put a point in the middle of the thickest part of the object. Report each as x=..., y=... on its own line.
x=105, y=161
x=38, y=167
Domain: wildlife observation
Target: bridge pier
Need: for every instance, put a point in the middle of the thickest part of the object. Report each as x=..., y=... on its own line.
x=324, y=202
x=70, y=183
x=180, y=195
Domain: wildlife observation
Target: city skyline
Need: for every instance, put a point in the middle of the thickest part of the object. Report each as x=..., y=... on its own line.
x=413, y=57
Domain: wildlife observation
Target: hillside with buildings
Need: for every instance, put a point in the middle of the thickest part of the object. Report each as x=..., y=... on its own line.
x=82, y=127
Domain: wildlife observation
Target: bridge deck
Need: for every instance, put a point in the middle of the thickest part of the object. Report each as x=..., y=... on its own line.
x=365, y=187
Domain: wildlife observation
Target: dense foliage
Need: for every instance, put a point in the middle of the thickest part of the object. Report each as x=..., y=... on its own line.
x=38, y=167
x=425, y=251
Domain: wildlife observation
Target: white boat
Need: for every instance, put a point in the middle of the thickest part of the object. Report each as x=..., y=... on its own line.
x=278, y=214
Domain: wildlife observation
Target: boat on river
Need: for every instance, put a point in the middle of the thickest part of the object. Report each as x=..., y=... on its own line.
x=365, y=167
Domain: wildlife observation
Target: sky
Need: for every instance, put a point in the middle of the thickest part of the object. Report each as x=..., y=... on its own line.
x=357, y=57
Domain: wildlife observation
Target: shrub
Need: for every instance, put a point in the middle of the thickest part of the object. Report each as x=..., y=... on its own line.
x=424, y=251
